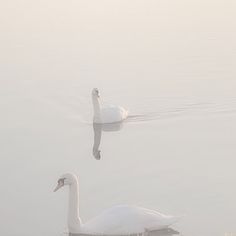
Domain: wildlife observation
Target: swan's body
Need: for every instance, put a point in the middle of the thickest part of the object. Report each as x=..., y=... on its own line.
x=108, y=114
x=124, y=219
x=118, y=220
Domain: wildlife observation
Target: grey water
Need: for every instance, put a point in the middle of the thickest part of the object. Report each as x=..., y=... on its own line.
x=170, y=63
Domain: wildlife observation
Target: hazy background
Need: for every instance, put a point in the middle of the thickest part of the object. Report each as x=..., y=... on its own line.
x=172, y=62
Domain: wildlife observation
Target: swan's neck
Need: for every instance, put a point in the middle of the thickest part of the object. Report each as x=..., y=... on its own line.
x=96, y=109
x=74, y=221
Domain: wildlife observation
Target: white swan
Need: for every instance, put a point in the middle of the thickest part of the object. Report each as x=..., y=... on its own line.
x=109, y=114
x=118, y=220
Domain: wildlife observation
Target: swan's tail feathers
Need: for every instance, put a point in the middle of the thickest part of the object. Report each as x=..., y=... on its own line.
x=126, y=114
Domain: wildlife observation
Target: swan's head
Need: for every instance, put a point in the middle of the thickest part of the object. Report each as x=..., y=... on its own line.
x=95, y=93
x=66, y=179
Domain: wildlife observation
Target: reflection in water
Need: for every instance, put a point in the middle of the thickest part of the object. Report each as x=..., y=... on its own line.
x=98, y=128
x=163, y=232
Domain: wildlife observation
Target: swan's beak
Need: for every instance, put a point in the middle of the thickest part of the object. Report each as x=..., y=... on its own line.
x=59, y=185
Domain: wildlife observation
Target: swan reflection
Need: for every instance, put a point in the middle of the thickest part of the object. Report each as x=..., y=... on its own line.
x=163, y=232
x=98, y=128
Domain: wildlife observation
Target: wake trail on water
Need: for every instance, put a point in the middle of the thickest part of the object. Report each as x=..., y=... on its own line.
x=173, y=108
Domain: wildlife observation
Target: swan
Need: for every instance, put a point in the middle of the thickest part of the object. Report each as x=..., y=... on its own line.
x=98, y=129
x=117, y=220
x=109, y=114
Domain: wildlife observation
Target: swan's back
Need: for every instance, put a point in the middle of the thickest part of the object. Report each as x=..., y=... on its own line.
x=113, y=114
x=126, y=219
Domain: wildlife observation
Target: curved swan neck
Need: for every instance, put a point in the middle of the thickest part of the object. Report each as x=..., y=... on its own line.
x=74, y=221
x=96, y=107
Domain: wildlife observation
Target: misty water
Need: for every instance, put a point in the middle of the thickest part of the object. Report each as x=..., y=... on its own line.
x=170, y=63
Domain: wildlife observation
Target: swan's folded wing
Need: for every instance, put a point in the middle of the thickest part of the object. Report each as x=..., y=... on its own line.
x=122, y=220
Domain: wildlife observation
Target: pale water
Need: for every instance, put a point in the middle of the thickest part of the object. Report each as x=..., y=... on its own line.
x=171, y=63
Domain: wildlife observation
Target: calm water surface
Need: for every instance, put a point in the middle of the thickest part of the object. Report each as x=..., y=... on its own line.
x=172, y=64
